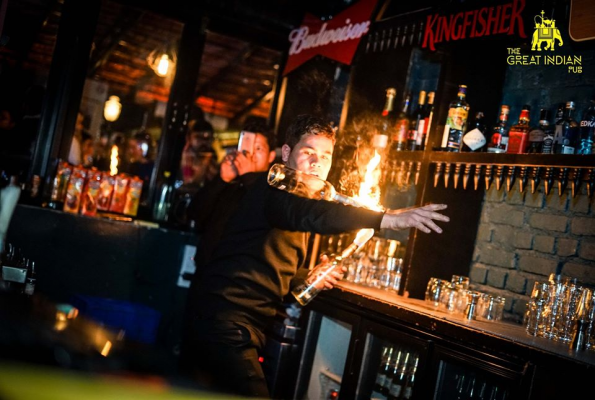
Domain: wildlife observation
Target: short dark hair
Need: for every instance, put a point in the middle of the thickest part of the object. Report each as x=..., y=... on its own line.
x=264, y=130
x=306, y=124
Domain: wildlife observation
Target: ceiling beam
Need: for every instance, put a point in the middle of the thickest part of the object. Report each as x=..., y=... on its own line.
x=242, y=56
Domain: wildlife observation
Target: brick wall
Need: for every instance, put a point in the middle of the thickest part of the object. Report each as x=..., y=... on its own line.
x=524, y=237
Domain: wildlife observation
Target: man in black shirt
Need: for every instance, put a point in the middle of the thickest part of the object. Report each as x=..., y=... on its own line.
x=252, y=252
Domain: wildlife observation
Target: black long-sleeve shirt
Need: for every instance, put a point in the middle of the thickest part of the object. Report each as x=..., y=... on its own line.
x=254, y=239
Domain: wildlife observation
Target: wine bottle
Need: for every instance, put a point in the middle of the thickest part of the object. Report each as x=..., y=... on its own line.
x=499, y=138
x=474, y=139
x=393, y=373
x=383, y=368
x=407, y=391
x=518, y=136
x=587, y=131
x=417, y=123
x=428, y=114
x=397, y=385
x=380, y=139
x=538, y=134
x=399, y=140
x=456, y=121
x=566, y=132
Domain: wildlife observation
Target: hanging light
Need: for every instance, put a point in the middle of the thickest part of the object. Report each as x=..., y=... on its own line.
x=162, y=60
x=112, y=109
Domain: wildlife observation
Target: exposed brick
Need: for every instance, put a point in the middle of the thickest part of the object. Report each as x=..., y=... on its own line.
x=583, y=226
x=494, y=195
x=478, y=273
x=537, y=265
x=504, y=235
x=548, y=222
x=491, y=255
x=523, y=240
x=533, y=199
x=567, y=247
x=514, y=196
x=583, y=272
x=497, y=278
x=519, y=307
x=484, y=233
x=580, y=204
x=587, y=250
x=507, y=214
x=516, y=282
x=544, y=244
x=555, y=202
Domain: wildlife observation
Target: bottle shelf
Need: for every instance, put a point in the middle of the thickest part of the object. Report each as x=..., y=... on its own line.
x=537, y=160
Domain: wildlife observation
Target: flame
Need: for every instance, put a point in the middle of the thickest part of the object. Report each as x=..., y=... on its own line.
x=113, y=165
x=369, y=190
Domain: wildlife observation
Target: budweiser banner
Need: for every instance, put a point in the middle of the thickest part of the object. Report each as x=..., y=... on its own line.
x=337, y=38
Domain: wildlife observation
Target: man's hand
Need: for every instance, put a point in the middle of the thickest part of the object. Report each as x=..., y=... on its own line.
x=322, y=277
x=236, y=164
x=421, y=218
x=228, y=171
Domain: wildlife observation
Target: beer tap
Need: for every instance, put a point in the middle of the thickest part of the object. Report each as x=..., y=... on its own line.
x=393, y=172
x=409, y=170
x=488, y=176
x=466, y=175
x=477, y=176
x=457, y=174
x=401, y=174
x=535, y=178
x=446, y=174
x=382, y=40
x=417, y=171
x=499, y=176
x=510, y=177
x=575, y=184
x=412, y=35
x=404, y=36
x=437, y=173
x=590, y=181
x=375, y=41
x=397, y=33
x=549, y=180
x=562, y=181
x=390, y=36
x=523, y=178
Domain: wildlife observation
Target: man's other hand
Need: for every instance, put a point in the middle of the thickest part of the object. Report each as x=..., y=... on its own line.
x=421, y=218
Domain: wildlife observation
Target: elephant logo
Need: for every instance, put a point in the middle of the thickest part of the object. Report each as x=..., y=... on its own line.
x=545, y=31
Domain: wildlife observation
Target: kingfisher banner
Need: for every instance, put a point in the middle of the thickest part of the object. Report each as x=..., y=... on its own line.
x=336, y=39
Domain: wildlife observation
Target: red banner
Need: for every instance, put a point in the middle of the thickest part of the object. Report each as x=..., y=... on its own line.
x=337, y=38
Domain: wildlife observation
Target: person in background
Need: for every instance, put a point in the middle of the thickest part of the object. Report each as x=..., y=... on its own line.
x=199, y=161
x=252, y=252
x=138, y=161
x=75, y=155
x=87, y=150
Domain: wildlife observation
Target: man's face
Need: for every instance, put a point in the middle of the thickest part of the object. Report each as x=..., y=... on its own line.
x=262, y=155
x=313, y=155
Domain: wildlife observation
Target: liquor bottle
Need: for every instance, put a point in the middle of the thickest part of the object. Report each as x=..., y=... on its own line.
x=399, y=139
x=428, y=114
x=499, y=138
x=380, y=139
x=518, y=136
x=305, y=292
x=416, y=127
x=393, y=373
x=538, y=134
x=383, y=368
x=587, y=131
x=398, y=383
x=456, y=121
x=407, y=391
x=567, y=131
x=30, y=279
x=474, y=139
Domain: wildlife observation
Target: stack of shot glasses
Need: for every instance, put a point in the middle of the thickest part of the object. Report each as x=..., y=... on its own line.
x=454, y=297
x=563, y=310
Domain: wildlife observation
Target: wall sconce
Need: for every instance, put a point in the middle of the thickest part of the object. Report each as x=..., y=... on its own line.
x=112, y=109
x=162, y=60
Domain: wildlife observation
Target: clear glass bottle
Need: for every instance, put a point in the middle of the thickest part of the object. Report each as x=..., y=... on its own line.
x=456, y=121
x=566, y=138
x=383, y=133
x=540, y=133
x=587, y=131
x=305, y=292
x=518, y=136
x=499, y=138
x=474, y=139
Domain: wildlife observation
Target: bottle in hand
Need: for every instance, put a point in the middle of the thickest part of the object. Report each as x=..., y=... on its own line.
x=499, y=138
x=456, y=121
x=474, y=139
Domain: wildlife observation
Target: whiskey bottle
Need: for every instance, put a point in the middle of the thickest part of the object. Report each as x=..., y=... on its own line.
x=417, y=123
x=401, y=132
x=567, y=132
x=474, y=139
x=538, y=134
x=518, y=136
x=428, y=114
x=383, y=133
x=456, y=121
x=587, y=131
x=499, y=138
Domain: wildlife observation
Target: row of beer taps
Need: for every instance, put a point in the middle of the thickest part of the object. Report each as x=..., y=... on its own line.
x=391, y=39
x=523, y=174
